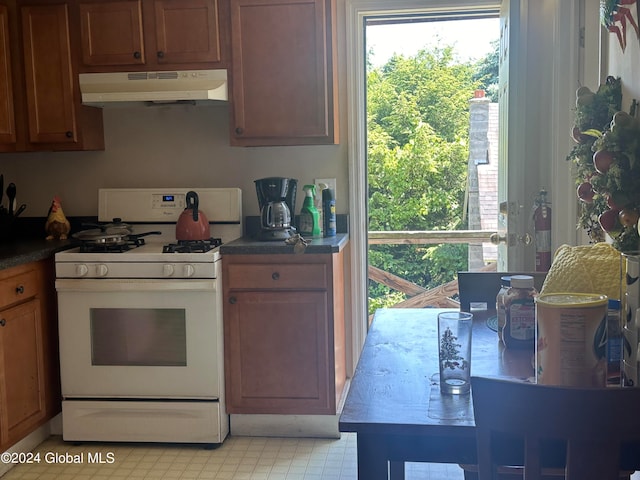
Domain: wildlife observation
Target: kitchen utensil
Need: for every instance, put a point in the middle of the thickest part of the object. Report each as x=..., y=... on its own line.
x=97, y=236
x=20, y=209
x=11, y=193
x=192, y=223
x=117, y=226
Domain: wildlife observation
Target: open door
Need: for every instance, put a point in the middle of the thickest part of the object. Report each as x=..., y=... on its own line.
x=512, y=239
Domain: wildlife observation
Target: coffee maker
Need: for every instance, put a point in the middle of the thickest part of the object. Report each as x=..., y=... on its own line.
x=277, y=200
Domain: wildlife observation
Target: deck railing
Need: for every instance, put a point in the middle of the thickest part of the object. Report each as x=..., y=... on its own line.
x=420, y=297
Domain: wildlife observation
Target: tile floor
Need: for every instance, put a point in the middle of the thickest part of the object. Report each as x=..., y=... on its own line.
x=238, y=458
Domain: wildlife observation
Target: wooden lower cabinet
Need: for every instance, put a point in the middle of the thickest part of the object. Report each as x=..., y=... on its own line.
x=29, y=380
x=284, y=333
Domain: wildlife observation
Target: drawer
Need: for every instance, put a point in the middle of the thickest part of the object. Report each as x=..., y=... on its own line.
x=18, y=288
x=269, y=276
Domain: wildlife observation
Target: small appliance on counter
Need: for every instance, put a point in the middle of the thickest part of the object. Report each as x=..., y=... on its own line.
x=277, y=200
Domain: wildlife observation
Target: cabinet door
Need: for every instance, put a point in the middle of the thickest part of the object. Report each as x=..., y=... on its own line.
x=7, y=117
x=111, y=33
x=49, y=80
x=22, y=364
x=283, y=75
x=278, y=357
x=187, y=31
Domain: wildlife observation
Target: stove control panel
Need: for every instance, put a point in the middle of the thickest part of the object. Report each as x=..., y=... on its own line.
x=144, y=270
x=165, y=205
x=168, y=202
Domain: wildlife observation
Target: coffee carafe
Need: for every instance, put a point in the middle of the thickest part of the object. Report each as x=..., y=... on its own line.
x=277, y=200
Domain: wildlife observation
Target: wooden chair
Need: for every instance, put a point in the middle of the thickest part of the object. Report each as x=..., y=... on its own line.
x=482, y=287
x=586, y=428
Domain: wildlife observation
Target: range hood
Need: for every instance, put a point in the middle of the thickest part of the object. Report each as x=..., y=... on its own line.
x=192, y=86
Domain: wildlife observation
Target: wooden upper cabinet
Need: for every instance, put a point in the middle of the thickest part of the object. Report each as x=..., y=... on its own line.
x=7, y=116
x=111, y=33
x=56, y=120
x=187, y=31
x=159, y=34
x=48, y=74
x=283, y=72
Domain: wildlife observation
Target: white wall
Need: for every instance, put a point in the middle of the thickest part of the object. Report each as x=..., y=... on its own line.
x=625, y=65
x=163, y=147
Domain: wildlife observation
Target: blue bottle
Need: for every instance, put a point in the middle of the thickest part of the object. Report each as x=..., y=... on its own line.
x=329, y=212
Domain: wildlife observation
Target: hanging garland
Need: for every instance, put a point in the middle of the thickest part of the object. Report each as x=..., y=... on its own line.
x=607, y=159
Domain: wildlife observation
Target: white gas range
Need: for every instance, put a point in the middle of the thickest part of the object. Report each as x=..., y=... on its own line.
x=140, y=322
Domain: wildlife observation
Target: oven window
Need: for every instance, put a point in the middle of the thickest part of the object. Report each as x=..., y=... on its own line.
x=138, y=336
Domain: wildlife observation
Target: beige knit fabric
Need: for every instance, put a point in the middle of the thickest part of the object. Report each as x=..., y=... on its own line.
x=585, y=269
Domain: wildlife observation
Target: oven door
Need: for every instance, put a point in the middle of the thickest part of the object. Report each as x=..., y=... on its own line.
x=140, y=338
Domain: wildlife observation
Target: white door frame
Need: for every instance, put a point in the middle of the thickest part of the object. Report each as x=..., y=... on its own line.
x=356, y=12
x=566, y=64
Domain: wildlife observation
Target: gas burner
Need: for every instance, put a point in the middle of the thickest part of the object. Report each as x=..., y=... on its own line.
x=192, y=246
x=115, y=247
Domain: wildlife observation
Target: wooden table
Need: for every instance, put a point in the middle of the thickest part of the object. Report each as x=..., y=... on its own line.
x=395, y=406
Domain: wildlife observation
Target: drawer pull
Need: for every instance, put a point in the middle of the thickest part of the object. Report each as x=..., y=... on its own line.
x=275, y=276
x=232, y=300
x=3, y=322
x=20, y=289
x=137, y=55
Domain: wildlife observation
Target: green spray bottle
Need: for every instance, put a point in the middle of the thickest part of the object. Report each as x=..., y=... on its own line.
x=309, y=215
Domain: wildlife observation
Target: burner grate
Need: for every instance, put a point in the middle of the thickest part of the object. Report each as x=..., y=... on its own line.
x=117, y=247
x=192, y=246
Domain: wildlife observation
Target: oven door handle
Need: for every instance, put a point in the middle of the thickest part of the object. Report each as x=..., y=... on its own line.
x=134, y=285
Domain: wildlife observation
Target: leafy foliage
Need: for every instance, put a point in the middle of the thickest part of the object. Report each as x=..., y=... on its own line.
x=607, y=174
x=486, y=72
x=418, y=123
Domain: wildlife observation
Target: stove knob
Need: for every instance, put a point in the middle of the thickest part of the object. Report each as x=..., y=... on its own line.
x=101, y=270
x=189, y=271
x=167, y=270
x=82, y=270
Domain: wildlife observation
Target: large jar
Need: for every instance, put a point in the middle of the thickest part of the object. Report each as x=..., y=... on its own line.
x=520, y=313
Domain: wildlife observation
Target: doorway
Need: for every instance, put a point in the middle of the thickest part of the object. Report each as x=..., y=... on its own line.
x=432, y=150
x=549, y=62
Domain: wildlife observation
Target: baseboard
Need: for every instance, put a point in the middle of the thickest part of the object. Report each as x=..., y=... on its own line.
x=320, y=426
x=27, y=444
x=315, y=426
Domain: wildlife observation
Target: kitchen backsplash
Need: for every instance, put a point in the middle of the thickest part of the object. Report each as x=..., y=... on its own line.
x=165, y=146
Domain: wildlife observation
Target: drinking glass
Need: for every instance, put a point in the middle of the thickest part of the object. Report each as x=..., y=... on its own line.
x=454, y=351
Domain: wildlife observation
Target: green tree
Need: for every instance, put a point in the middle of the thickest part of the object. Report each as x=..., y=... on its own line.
x=486, y=71
x=418, y=122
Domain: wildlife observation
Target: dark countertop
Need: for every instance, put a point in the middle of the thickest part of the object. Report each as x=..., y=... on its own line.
x=19, y=252
x=252, y=246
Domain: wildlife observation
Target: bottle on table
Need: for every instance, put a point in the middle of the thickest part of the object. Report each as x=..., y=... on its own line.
x=520, y=313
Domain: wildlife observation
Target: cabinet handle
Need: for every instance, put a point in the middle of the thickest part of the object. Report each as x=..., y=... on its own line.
x=232, y=300
x=3, y=322
x=275, y=276
x=160, y=54
x=137, y=55
x=20, y=289
x=68, y=134
x=239, y=130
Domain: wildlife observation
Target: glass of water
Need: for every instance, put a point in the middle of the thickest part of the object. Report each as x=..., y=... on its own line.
x=454, y=354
